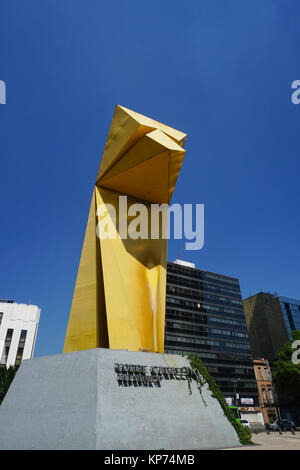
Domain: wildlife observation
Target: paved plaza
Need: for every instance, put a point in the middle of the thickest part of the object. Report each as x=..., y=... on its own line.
x=273, y=441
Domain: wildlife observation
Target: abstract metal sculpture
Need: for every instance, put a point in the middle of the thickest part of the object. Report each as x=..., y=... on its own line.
x=119, y=296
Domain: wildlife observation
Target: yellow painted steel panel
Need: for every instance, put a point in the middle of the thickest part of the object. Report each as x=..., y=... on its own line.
x=147, y=147
x=147, y=181
x=82, y=327
x=133, y=271
x=178, y=136
x=120, y=291
x=126, y=129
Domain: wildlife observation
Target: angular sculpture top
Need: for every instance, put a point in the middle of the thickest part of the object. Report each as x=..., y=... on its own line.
x=119, y=296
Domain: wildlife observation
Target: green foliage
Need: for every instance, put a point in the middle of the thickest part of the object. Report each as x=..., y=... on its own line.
x=6, y=378
x=198, y=368
x=287, y=375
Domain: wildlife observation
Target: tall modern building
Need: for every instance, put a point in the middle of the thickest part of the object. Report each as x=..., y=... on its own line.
x=270, y=320
x=18, y=330
x=204, y=315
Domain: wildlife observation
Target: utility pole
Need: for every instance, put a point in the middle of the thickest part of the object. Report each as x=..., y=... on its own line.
x=235, y=381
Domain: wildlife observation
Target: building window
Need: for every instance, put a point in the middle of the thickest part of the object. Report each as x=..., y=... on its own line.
x=1, y=316
x=265, y=398
x=260, y=374
x=21, y=347
x=290, y=316
x=271, y=395
x=7, y=344
x=267, y=373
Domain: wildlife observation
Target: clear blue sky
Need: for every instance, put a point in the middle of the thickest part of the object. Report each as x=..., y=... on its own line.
x=219, y=70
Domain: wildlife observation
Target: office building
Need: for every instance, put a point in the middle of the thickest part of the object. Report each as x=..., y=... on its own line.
x=270, y=319
x=204, y=315
x=18, y=330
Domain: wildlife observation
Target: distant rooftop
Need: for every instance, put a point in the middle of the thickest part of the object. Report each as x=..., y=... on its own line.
x=289, y=300
x=184, y=263
x=187, y=264
x=269, y=295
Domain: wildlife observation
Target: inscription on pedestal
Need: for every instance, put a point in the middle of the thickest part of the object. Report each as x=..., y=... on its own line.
x=134, y=374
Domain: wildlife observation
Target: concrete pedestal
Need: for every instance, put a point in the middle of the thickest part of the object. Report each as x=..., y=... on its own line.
x=75, y=401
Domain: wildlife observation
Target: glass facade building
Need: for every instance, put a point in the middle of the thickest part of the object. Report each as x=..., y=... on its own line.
x=204, y=315
x=291, y=314
x=270, y=320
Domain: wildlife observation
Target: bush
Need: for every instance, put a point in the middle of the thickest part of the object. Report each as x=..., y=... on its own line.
x=6, y=378
x=244, y=434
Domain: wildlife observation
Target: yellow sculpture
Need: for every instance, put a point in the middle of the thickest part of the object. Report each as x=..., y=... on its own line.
x=119, y=296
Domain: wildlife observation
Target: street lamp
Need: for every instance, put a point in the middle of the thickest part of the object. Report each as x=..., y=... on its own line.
x=235, y=381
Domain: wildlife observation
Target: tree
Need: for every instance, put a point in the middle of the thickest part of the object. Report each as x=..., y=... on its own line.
x=6, y=378
x=287, y=375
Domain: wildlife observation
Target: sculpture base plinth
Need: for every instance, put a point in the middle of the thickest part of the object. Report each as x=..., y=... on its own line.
x=77, y=401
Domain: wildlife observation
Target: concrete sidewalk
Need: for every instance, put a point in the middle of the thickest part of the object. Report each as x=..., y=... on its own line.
x=273, y=441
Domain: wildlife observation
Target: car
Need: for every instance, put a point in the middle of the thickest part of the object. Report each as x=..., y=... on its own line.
x=287, y=425
x=272, y=426
x=284, y=424
x=245, y=423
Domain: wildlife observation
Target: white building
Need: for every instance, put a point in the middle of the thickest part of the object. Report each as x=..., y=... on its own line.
x=18, y=330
